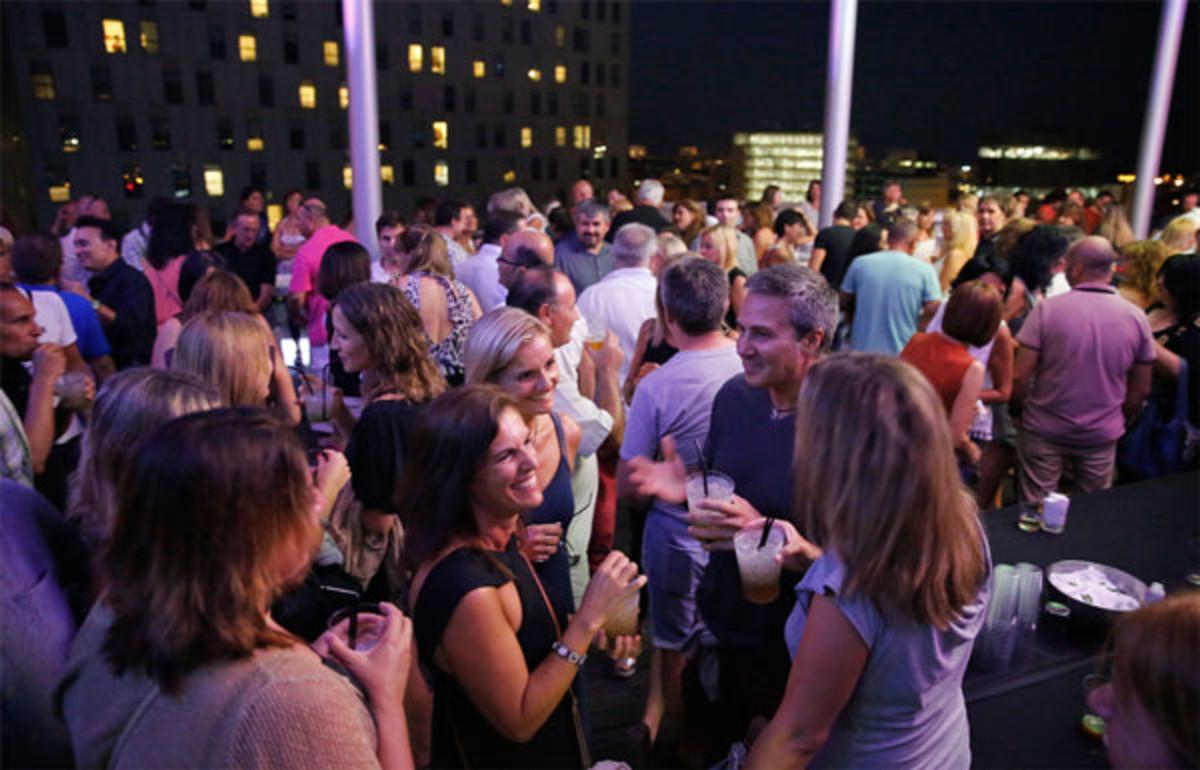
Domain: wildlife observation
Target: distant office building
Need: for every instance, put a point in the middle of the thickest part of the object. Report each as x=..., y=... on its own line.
x=1037, y=164
x=194, y=99
x=923, y=180
x=787, y=159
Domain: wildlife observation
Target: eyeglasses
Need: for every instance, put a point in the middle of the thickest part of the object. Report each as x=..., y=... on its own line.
x=509, y=262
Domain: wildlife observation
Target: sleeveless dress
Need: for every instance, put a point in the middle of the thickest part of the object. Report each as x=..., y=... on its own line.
x=558, y=506
x=462, y=736
x=447, y=354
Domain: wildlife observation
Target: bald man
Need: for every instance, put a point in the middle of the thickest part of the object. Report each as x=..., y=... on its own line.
x=304, y=301
x=523, y=249
x=1083, y=369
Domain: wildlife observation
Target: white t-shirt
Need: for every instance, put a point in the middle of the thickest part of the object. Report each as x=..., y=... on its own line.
x=621, y=302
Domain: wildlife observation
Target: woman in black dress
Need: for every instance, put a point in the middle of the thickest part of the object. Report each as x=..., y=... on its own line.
x=501, y=657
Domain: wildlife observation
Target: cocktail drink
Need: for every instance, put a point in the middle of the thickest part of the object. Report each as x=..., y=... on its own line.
x=718, y=487
x=360, y=626
x=318, y=405
x=71, y=387
x=757, y=564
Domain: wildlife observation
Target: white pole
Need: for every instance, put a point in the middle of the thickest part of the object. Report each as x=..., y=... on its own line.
x=1154, y=126
x=358, y=21
x=839, y=87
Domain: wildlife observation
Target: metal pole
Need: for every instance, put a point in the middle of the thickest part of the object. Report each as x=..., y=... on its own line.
x=358, y=21
x=839, y=87
x=1154, y=126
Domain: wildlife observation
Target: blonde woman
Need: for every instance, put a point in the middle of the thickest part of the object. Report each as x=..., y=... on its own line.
x=895, y=588
x=718, y=244
x=960, y=236
x=1140, y=263
x=447, y=307
x=236, y=353
x=512, y=349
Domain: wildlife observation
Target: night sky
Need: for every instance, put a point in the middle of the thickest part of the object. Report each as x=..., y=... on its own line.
x=941, y=78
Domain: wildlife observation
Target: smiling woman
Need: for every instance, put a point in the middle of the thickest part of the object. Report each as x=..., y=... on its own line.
x=501, y=649
x=512, y=349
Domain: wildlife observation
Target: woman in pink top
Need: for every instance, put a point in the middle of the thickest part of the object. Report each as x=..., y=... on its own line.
x=172, y=238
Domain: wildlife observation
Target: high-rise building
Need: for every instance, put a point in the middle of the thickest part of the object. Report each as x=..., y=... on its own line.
x=194, y=99
x=789, y=160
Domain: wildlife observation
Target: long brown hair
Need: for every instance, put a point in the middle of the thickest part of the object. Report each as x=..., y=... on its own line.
x=217, y=292
x=1154, y=661
x=876, y=480
x=214, y=516
x=449, y=445
x=399, y=347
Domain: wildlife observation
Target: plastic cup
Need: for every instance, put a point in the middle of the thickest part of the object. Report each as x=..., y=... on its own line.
x=1054, y=513
x=1030, y=517
x=365, y=628
x=596, y=335
x=318, y=405
x=720, y=489
x=758, y=567
x=623, y=621
x=71, y=388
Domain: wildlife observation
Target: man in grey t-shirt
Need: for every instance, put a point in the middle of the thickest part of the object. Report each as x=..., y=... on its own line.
x=676, y=400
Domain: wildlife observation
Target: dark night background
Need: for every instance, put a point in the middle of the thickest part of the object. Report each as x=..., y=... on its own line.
x=941, y=78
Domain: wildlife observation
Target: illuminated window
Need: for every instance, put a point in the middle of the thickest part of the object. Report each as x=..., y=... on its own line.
x=343, y=97
x=505, y=2
x=214, y=181
x=510, y=176
x=308, y=95
x=526, y=136
x=60, y=193
x=583, y=137
x=437, y=60
x=274, y=214
x=331, y=53
x=560, y=36
x=149, y=36
x=247, y=48
x=416, y=57
x=347, y=177
x=441, y=173
x=114, y=36
x=479, y=68
x=254, y=143
x=560, y=136
x=560, y=73
x=43, y=81
x=535, y=75
x=535, y=5
x=259, y=9
x=387, y=174
x=441, y=135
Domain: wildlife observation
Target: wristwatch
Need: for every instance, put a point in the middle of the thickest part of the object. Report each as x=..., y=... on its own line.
x=567, y=654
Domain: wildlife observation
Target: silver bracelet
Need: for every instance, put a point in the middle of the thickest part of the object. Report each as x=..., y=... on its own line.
x=567, y=654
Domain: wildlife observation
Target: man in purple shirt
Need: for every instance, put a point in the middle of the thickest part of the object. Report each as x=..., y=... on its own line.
x=1082, y=371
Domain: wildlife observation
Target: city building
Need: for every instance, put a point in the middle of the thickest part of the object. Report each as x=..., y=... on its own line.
x=194, y=99
x=788, y=159
x=923, y=180
x=1039, y=163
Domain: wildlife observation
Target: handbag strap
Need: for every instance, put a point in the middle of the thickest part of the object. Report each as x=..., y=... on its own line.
x=585, y=753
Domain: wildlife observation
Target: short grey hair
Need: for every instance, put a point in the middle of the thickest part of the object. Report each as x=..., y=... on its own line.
x=811, y=301
x=633, y=245
x=592, y=208
x=514, y=199
x=650, y=192
x=695, y=295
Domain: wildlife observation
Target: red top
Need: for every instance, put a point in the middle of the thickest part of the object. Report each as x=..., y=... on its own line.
x=943, y=361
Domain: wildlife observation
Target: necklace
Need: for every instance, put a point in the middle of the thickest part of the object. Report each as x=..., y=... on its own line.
x=781, y=414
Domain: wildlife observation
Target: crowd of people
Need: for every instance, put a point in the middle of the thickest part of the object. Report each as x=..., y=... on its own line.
x=273, y=499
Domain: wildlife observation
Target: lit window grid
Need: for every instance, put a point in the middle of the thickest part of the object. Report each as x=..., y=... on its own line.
x=560, y=73
x=254, y=143
x=441, y=135
x=149, y=36
x=387, y=174
x=416, y=57
x=1038, y=152
x=331, y=53
x=114, y=35
x=526, y=137
x=343, y=97
x=43, y=86
x=437, y=60
x=214, y=181
x=479, y=68
x=535, y=74
x=560, y=136
x=441, y=173
x=247, y=48
x=534, y=5
x=260, y=9
x=60, y=193
x=308, y=95
x=347, y=177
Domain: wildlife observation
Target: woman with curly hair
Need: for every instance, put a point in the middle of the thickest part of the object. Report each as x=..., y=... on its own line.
x=1140, y=264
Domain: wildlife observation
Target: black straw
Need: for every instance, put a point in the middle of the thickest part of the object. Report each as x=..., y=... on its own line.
x=703, y=465
x=762, y=541
x=354, y=628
